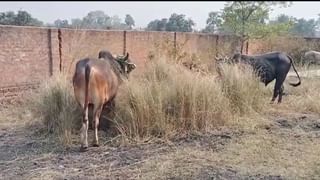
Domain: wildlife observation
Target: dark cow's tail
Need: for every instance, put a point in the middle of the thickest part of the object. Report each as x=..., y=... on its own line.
x=87, y=77
x=294, y=84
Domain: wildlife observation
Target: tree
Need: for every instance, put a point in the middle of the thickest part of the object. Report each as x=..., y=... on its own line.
x=96, y=20
x=305, y=27
x=157, y=25
x=282, y=18
x=8, y=18
x=213, y=22
x=248, y=19
x=76, y=23
x=301, y=27
x=129, y=21
x=61, y=23
x=116, y=22
x=22, y=18
x=178, y=22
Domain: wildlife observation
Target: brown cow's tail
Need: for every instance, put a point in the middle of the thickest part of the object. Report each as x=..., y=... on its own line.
x=87, y=77
x=294, y=84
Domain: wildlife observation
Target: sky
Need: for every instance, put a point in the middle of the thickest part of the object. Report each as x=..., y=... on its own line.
x=143, y=11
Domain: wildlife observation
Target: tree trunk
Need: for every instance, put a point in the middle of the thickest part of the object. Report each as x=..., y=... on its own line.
x=242, y=44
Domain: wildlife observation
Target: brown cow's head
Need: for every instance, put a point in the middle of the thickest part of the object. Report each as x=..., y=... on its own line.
x=105, y=55
x=126, y=65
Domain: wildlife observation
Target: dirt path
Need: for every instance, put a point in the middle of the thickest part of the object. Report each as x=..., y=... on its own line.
x=224, y=154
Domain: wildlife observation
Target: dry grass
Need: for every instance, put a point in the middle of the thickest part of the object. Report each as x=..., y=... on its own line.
x=165, y=101
x=171, y=100
x=289, y=156
x=168, y=100
x=304, y=98
x=251, y=156
x=56, y=107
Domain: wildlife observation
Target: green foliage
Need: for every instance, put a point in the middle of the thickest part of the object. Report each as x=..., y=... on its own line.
x=305, y=27
x=176, y=22
x=129, y=21
x=97, y=20
x=213, y=22
x=61, y=23
x=300, y=27
x=22, y=18
x=157, y=25
x=248, y=19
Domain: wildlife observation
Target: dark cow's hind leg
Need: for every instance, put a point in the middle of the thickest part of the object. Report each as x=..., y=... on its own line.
x=277, y=89
x=280, y=94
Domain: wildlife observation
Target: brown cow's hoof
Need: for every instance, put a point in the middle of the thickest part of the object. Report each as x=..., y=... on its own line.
x=95, y=145
x=83, y=149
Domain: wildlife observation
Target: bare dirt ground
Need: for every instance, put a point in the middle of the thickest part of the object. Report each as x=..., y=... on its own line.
x=288, y=147
x=285, y=146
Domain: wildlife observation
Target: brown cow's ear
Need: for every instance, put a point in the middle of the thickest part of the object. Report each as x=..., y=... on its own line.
x=132, y=66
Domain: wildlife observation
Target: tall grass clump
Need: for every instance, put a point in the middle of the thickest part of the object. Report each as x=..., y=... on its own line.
x=305, y=98
x=169, y=99
x=165, y=100
x=54, y=104
x=243, y=89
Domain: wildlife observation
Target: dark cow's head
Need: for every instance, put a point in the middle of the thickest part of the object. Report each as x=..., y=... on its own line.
x=220, y=59
x=241, y=58
x=236, y=58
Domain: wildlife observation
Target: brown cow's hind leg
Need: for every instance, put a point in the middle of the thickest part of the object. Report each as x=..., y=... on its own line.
x=97, y=113
x=84, y=130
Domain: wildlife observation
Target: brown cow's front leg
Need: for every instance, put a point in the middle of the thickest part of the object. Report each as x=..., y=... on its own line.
x=97, y=113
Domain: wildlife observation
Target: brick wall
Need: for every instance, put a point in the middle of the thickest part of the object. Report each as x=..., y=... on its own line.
x=24, y=55
x=78, y=44
x=140, y=44
x=30, y=55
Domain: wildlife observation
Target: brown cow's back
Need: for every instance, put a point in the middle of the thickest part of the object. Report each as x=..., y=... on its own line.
x=103, y=81
x=96, y=82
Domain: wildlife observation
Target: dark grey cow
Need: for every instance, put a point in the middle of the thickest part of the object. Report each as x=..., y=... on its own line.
x=270, y=66
x=312, y=57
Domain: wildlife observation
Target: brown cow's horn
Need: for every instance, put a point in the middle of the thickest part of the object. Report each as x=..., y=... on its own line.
x=126, y=57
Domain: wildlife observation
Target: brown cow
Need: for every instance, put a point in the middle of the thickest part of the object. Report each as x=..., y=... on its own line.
x=96, y=82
